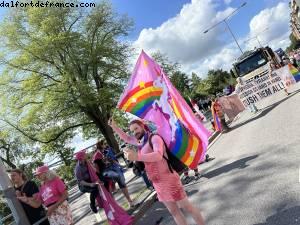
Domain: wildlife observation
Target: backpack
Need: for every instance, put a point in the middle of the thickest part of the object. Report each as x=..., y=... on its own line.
x=173, y=162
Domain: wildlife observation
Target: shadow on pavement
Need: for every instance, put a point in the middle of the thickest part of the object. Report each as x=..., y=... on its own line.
x=289, y=216
x=239, y=164
x=264, y=111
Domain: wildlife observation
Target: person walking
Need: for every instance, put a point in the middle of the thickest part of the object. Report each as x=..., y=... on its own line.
x=84, y=180
x=53, y=195
x=216, y=109
x=27, y=188
x=167, y=183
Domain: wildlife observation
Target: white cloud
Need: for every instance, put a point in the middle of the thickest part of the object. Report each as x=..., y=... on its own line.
x=182, y=38
x=276, y=21
x=227, y=2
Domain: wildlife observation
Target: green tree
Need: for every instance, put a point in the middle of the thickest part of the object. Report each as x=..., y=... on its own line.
x=168, y=67
x=182, y=83
x=215, y=82
x=64, y=69
x=295, y=44
x=13, y=147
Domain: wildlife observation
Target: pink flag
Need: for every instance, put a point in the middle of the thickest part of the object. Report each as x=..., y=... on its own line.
x=150, y=95
x=114, y=213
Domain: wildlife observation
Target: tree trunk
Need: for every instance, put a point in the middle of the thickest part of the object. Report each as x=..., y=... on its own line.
x=101, y=123
x=110, y=138
x=63, y=158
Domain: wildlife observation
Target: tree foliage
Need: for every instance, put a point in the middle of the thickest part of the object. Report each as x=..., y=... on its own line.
x=13, y=147
x=295, y=44
x=64, y=69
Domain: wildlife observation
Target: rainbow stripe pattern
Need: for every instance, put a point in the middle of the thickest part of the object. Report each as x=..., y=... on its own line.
x=294, y=72
x=140, y=100
x=186, y=146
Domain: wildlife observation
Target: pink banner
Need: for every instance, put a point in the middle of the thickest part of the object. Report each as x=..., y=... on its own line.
x=231, y=105
x=114, y=213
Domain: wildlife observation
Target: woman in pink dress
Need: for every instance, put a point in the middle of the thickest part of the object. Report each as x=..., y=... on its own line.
x=166, y=183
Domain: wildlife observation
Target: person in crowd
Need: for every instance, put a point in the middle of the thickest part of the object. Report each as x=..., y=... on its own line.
x=84, y=180
x=217, y=109
x=167, y=183
x=100, y=166
x=297, y=58
x=285, y=60
x=273, y=67
x=27, y=188
x=187, y=178
x=53, y=195
x=113, y=169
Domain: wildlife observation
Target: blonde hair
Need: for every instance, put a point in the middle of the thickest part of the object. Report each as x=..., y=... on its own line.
x=50, y=175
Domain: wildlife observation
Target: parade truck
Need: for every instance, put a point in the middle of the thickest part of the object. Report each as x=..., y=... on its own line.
x=254, y=64
x=261, y=75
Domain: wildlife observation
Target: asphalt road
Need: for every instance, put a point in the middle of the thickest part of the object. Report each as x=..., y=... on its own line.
x=255, y=178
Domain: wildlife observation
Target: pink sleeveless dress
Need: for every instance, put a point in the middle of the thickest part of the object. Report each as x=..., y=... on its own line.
x=167, y=184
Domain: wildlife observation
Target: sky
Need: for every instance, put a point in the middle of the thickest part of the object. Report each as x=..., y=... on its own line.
x=175, y=28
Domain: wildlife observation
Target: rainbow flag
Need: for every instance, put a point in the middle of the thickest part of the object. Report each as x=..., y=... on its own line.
x=151, y=96
x=295, y=72
x=217, y=122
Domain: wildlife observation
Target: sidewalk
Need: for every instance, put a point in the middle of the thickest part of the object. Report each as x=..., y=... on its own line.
x=137, y=189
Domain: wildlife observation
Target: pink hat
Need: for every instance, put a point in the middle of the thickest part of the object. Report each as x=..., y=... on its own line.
x=40, y=170
x=80, y=155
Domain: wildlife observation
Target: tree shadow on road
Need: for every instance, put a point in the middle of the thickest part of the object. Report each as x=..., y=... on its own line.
x=264, y=111
x=289, y=216
x=239, y=164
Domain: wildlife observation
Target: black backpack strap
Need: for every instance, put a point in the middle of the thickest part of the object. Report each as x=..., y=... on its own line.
x=151, y=145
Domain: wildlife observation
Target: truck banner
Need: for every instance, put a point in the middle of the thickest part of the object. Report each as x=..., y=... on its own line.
x=265, y=86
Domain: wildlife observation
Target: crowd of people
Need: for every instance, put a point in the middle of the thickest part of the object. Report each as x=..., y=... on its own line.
x=51, y=195
x=49, y=201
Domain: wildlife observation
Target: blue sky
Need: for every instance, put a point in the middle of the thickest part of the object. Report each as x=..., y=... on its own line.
x=146, y=13
x=176, y=29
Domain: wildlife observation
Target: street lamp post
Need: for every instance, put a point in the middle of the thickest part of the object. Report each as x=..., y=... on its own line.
x=233, y=37
x=256, y=37
x=227, y=25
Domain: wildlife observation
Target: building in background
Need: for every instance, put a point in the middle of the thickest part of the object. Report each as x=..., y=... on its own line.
x=295, y=18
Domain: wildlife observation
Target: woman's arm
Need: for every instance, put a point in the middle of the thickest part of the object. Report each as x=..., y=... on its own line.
x=127, y=138
x=34, y=202
x=158, y=151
